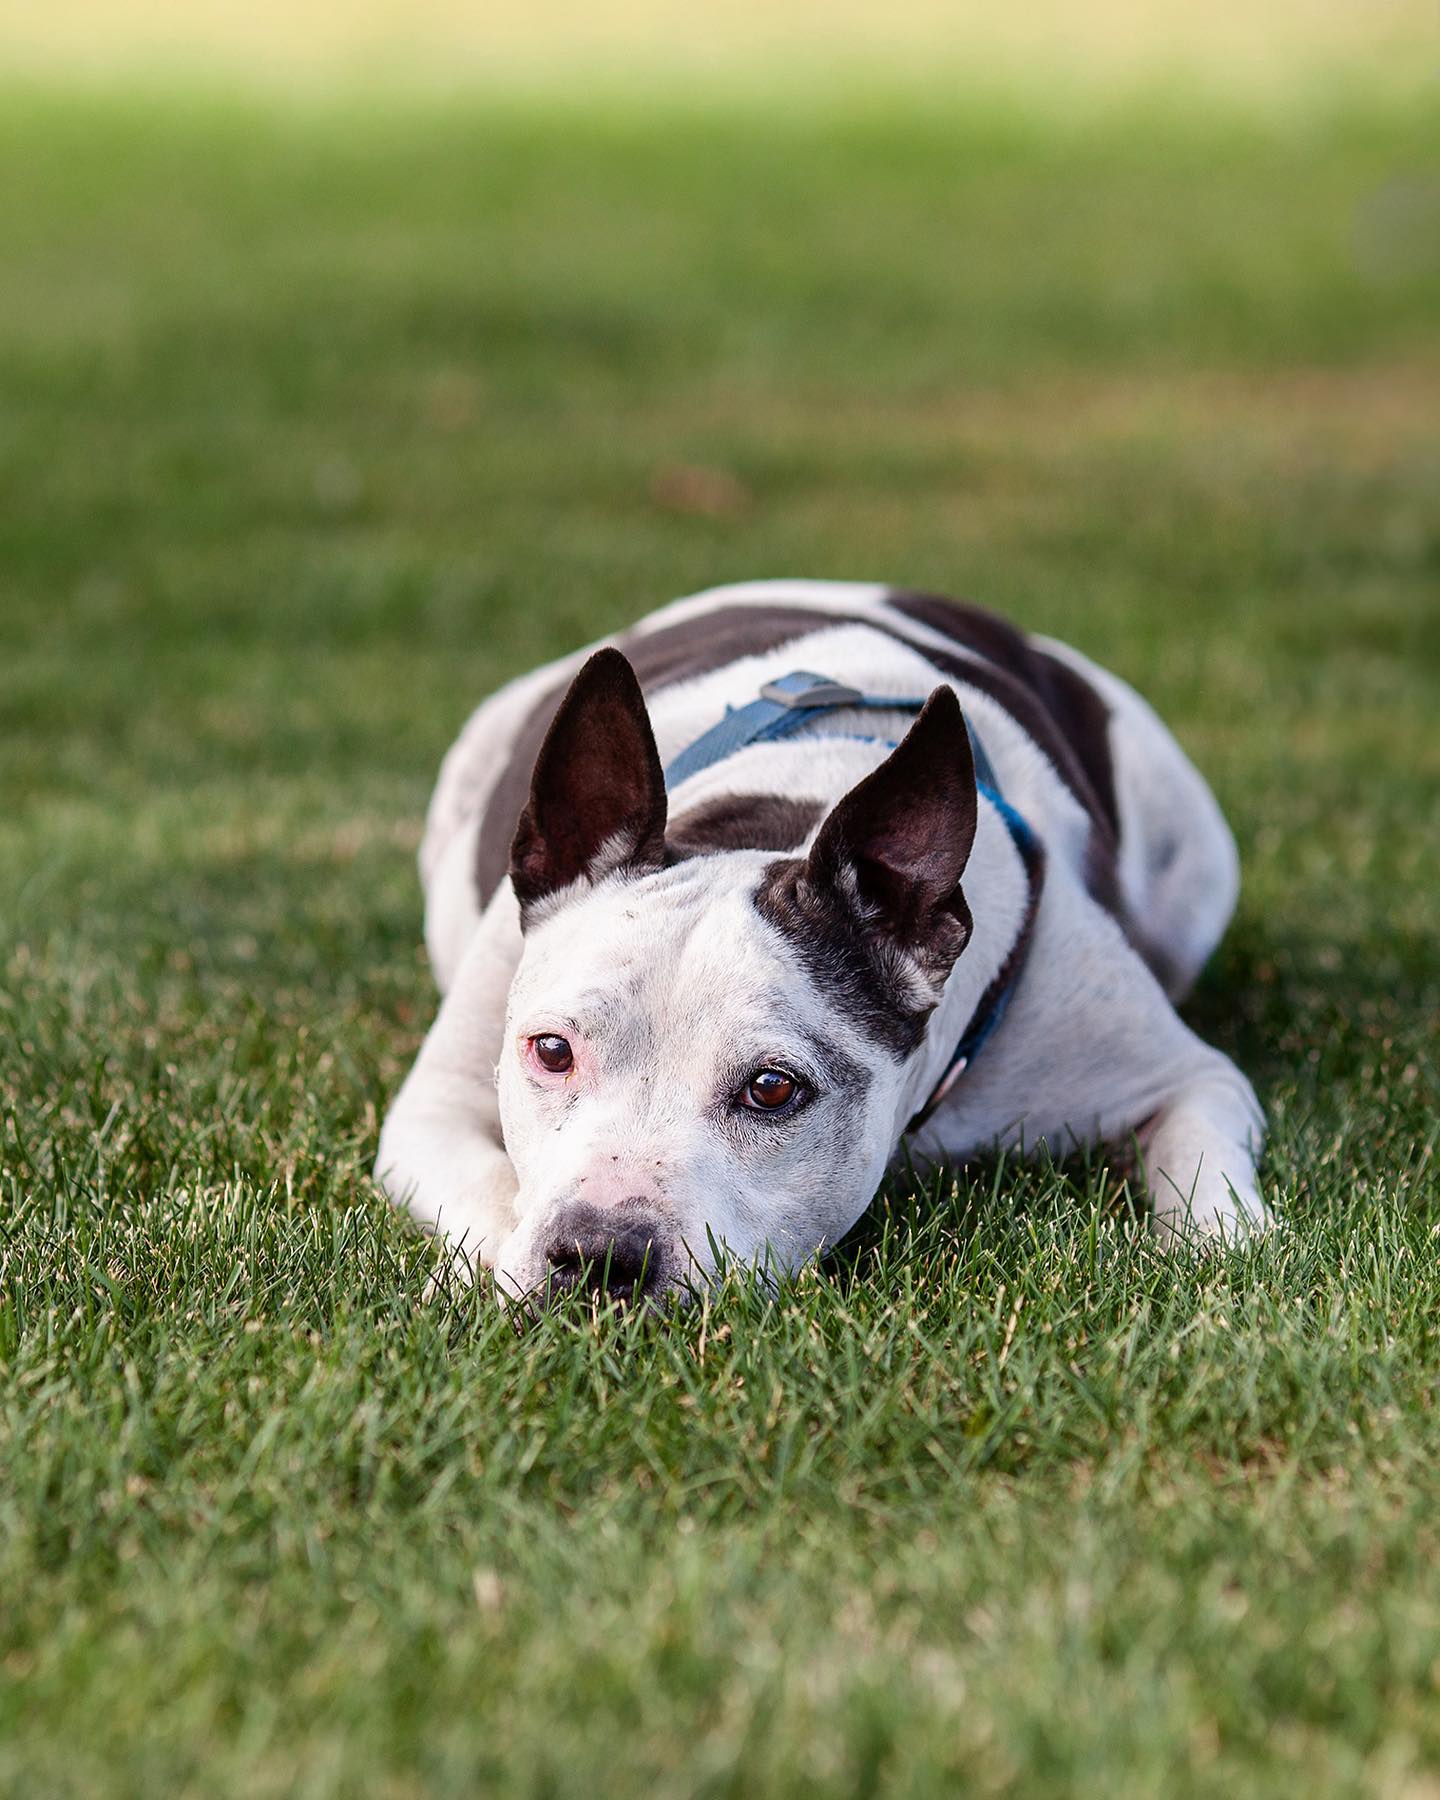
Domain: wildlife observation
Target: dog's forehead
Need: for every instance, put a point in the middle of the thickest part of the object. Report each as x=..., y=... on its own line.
x=686, y=948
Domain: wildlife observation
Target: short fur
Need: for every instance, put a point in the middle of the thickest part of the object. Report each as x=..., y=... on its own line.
x=822, y=904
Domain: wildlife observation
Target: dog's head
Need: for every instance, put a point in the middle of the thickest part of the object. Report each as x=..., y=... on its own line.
x=710, y=1052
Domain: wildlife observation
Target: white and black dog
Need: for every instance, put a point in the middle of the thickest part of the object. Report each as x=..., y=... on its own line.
x=721, y=913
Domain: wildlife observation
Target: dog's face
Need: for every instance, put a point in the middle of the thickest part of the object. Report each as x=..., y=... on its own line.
x=711, y=1054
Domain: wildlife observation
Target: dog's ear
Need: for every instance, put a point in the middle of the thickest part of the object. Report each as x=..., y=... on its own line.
x=894, y=848
x=597, y=797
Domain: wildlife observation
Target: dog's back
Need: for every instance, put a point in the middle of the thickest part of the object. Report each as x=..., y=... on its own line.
x=1095, y=768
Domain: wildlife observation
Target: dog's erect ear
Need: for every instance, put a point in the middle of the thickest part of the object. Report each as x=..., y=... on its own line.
x=597, y=797
x=894, y=848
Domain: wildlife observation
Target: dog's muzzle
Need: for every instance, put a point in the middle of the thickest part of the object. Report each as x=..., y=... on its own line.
x=617, y=1255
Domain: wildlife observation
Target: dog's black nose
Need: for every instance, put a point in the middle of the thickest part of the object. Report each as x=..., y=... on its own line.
x=617, y=1256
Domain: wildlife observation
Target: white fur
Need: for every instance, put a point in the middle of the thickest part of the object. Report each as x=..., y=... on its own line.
x=670, y=984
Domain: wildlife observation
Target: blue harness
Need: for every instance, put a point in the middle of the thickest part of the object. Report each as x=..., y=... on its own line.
x=791, y=702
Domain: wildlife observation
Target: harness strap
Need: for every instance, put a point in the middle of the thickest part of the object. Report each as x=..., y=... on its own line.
x=792, y=701
x=990, y=1008
x=783, y=707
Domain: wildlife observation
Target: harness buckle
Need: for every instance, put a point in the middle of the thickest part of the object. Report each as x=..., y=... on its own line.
x=817, y=692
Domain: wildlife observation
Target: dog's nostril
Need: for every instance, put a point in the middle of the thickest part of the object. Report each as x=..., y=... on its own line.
x=617, y=1267
x=621, y=1261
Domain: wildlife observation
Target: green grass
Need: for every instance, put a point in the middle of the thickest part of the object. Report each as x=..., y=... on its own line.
x=316, y=423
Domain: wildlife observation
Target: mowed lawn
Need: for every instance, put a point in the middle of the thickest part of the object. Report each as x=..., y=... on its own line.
x=318, y=420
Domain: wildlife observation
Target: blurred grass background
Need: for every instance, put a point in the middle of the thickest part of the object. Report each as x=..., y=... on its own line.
x=666, y=47
x=353, y=359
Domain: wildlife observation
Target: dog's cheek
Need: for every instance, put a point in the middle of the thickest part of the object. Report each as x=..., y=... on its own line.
x=522, y=1124
x=783, y=1205
x=833, y=1186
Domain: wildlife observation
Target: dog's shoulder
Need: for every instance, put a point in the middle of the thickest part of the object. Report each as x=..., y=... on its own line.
x=1059, y=709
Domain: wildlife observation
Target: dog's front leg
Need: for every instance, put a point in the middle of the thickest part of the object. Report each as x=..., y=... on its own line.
x=1199, y=1154
x=1104, y=1057
x=442, y=1153
x=441, y=1157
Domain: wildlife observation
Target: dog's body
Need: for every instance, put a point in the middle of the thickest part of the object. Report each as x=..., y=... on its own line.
x=632, y=977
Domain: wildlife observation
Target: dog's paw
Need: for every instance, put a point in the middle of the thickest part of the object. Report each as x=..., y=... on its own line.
x=455, y=1272
x=1214, y=1207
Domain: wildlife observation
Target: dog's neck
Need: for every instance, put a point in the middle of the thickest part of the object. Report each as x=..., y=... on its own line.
x=1002, y=885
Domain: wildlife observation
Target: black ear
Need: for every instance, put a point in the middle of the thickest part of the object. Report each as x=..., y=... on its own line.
x=597, y=797
x=895, y=847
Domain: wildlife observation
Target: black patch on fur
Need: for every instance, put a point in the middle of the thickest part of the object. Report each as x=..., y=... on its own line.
x=1054, y=704
x=1084, y=717
x=742, y=822
x=863, y=977
x=1057, y=708
x=837, y=1069
x=711, y=640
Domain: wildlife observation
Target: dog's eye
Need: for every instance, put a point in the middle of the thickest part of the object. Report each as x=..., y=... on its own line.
x=553, y=1053
x=769, y=1090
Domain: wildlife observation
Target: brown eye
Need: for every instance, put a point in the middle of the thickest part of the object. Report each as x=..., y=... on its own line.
x=769, y=1089
x=553, y=1053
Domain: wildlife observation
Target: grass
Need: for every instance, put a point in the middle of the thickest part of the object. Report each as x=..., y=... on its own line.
x=787, y=48
x=315, y=422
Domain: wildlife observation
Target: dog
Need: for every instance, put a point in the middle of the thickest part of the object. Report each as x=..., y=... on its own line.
x=789, y=875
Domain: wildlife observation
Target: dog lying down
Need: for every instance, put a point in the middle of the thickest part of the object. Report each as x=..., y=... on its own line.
x=793, y=874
